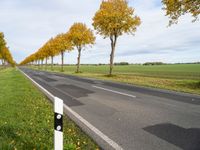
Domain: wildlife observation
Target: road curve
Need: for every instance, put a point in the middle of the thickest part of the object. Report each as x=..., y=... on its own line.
x=136, y=118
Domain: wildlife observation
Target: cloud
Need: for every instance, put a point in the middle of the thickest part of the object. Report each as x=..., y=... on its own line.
x=29, y=24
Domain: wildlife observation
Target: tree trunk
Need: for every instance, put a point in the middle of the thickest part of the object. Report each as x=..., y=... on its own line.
x=46, y=64
x=62, y=57
x=42, y=62
x=113, y=45
x=4, y=63
x=51, y=63
x=78, y=60
x=38, y=64
x=111, y=58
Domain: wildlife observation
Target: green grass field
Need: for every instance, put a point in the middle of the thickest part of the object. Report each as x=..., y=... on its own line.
x=177, y=77
x=26, y=118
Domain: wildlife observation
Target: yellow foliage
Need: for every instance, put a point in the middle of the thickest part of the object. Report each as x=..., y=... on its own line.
x=80, y=35
x=62, y=43
x=115, y=18
x=176, y=8
x=2, y=41
x=51, y=48
x=5, y=54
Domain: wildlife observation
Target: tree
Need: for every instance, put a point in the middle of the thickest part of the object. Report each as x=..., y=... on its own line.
x=63, y=44
x=43, y=55
x=39, y=57
x=1, y=58
x=80, y=36
x=5, y=54
x=2, y=42
x=176, y=8
x=29, y=59
x=51, y=50
x=7, y=57
x=113, y=19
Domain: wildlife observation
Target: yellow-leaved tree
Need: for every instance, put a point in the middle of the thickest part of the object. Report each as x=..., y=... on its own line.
x=51, y=50
x=40, y=55
x=5, y=54
x=43, y=55
x=7, y=57
x=1, y=58
x=80, y=36
x=63, y=44
x=176, y=8
x=2, y=45
x=113, y=19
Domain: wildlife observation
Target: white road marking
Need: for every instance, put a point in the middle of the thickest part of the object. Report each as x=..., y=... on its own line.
x=125, y=94
x=109, y=141
x=95, y=130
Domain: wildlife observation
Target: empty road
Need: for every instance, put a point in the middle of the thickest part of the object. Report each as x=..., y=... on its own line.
x=135, y=118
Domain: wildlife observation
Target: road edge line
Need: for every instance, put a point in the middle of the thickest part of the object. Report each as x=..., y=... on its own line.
x=97, y=135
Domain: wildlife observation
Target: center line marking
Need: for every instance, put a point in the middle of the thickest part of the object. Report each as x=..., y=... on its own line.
x=114, y=91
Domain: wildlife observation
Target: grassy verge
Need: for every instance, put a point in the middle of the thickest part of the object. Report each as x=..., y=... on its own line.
x=180, y=77
x=26, y=117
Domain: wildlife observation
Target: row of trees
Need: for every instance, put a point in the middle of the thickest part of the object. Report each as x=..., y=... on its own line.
x=5, y=55
x=78, y=37
x=113, y=19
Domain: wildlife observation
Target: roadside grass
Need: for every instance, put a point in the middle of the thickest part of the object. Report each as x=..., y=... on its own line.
x=26, y=118
x=177, y=77
x=1, y=67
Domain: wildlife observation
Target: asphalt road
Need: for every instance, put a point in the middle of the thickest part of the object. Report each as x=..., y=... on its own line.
x=135, y=118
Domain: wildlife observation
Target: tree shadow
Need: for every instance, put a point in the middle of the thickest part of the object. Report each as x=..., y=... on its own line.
x=187, y=139
x=110, y=75
x=191, y=85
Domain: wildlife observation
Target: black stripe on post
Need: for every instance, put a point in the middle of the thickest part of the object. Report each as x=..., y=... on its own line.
x=58, y=122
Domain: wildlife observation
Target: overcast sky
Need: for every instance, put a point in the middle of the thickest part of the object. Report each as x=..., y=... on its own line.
x=28, y=24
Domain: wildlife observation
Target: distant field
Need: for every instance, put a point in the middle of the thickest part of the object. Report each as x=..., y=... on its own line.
x=26, y=118
x=178, y=77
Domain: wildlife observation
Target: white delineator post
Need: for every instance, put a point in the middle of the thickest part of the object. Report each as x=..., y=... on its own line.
x=58, y=124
